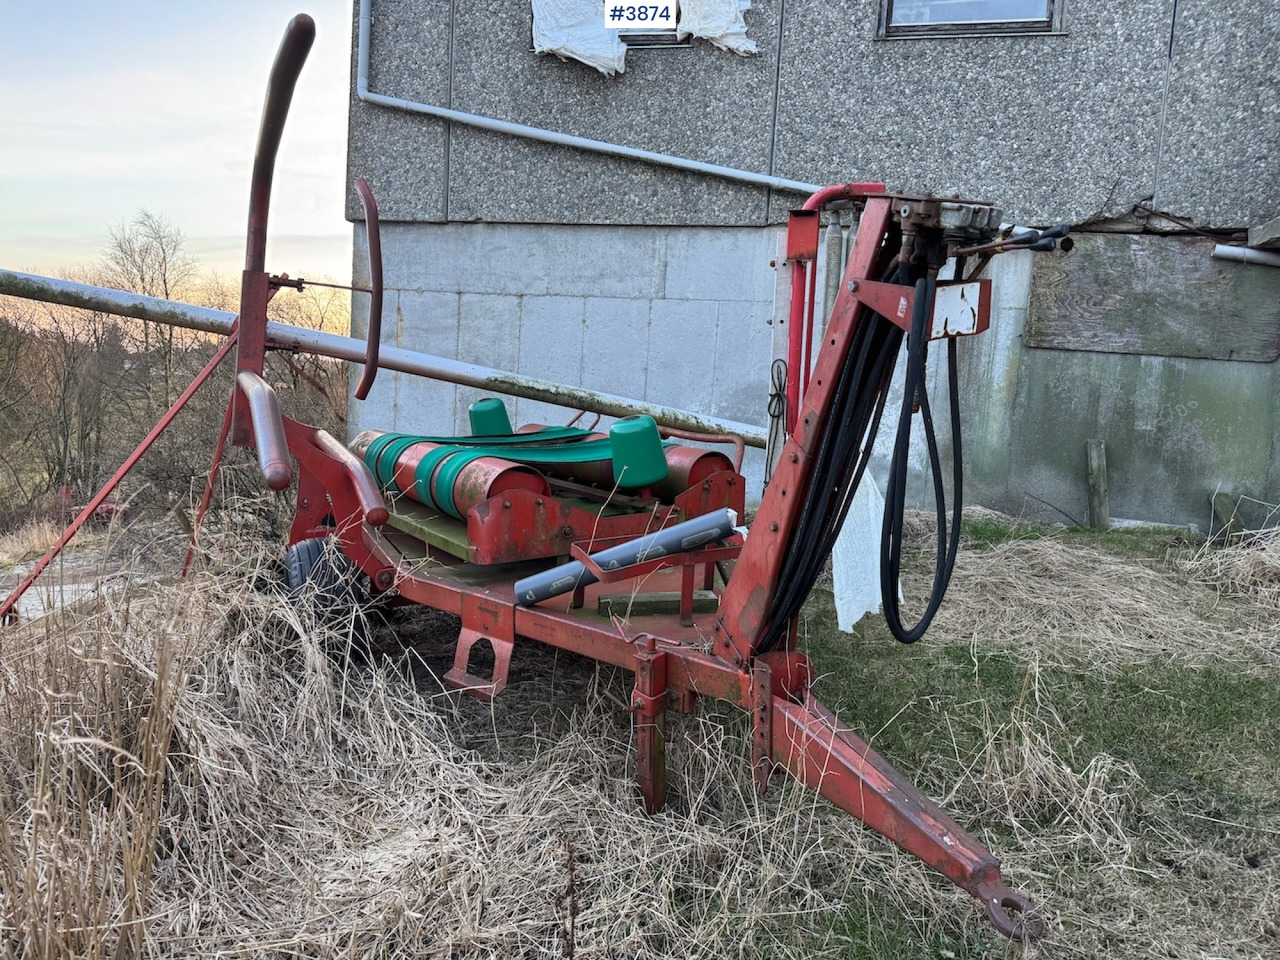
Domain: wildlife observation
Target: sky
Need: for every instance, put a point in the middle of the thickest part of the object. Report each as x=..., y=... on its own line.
x=108, y=107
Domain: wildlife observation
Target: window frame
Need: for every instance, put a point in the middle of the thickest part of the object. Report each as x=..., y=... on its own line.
x=639, y=39
x=1050, y=25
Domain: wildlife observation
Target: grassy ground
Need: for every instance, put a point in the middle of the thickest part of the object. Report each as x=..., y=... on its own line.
x=184, y=772
x=1130, y=779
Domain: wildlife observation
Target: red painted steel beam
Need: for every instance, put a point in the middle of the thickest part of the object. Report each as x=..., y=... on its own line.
x=294, y=47
x=745, y=601
x=332, y=482
x=802, y=251
x=207, y=497
x=830, y=759
x=255, y=285
x=119, y=475
x=363, y=485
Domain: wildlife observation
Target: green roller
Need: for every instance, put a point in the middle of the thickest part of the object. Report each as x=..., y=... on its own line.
x=489, y=418
x=638, y=460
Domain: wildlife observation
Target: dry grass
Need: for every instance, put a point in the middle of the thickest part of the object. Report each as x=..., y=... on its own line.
x=1247, y=567
x=27, y=542
x=1075, y=604
x=1111, y=869
x=185, y=773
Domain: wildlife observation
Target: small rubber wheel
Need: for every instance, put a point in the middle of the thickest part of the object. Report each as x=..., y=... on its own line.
x=321, y=578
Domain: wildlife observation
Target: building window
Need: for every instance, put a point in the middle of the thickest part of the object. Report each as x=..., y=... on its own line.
x=654, y=38
x=958, y=18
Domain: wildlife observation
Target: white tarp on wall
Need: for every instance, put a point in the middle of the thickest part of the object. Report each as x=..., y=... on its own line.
x=574, y=29
x=717, y=21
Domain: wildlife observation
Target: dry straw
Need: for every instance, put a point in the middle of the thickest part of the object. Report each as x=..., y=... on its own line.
x=1247, y=567
x=1073, y=604
x=186, y=773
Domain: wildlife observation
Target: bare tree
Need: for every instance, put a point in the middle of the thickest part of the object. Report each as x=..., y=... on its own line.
x=148, y=255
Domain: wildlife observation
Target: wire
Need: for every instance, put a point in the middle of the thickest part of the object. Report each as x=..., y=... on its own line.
x=839, y=463
x=895, y=495
x=777, y=410
x=843, y=452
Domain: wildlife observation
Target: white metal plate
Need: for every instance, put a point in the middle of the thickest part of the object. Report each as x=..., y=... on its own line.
x=955, y=310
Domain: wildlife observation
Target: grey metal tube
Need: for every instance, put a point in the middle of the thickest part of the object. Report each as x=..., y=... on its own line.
x=279, y=335
x=833, y=267
x=550, y=136
x=677, y=539
x=1246, y=255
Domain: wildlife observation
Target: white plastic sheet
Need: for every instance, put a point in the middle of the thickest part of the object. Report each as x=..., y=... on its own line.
x=717, y=21
x=575, y=30
x=855, y=559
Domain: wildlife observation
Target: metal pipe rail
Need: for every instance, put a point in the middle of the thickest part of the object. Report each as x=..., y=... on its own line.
x=281, y=336
x=524, y=131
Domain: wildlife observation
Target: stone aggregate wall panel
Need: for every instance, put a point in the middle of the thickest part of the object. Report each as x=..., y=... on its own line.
x=1052, y=128
x=1220, y=163
x=402, y=155
x=696, y=102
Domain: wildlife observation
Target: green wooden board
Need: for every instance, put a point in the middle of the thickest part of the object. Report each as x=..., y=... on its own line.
x=654, y=604
x=443, y=533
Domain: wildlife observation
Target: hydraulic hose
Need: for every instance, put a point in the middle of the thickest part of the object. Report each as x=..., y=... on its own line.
x=895, y=495
x=841, y=459
x=840, y=462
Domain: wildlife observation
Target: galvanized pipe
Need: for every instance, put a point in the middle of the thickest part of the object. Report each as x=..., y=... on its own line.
x=283, y=336
x=677, y=539
x=1223, y=251
x=550, y=136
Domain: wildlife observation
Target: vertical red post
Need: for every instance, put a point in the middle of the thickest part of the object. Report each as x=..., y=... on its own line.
x=650, y=700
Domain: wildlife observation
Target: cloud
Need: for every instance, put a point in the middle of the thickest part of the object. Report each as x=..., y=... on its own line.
x=157, y=106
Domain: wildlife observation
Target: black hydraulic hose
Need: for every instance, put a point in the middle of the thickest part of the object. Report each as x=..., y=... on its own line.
x=839, y=464
x=895, y=494
x=838, y=469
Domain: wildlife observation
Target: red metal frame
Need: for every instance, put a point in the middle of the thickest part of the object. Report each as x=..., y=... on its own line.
x=7, y=607
x=790, y=729
x=338, y=496
x=803, y=230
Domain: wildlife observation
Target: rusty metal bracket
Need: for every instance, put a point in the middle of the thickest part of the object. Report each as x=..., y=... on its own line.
x=460, y=676
x=761, y=725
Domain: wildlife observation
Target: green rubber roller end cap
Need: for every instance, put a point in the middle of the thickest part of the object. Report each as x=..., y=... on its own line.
x=489, y=418
x=638, y=460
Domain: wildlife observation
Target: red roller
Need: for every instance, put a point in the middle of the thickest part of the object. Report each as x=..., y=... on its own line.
x=478, y=481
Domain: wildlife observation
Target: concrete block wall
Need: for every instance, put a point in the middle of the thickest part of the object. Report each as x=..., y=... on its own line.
x=673, y=315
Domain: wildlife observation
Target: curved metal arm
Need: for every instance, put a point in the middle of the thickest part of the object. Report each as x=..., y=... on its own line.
x=843, y=191
x=373, y=330
x=295, y=46
x=739, y=445
x=268, y=429
x=372, y=505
